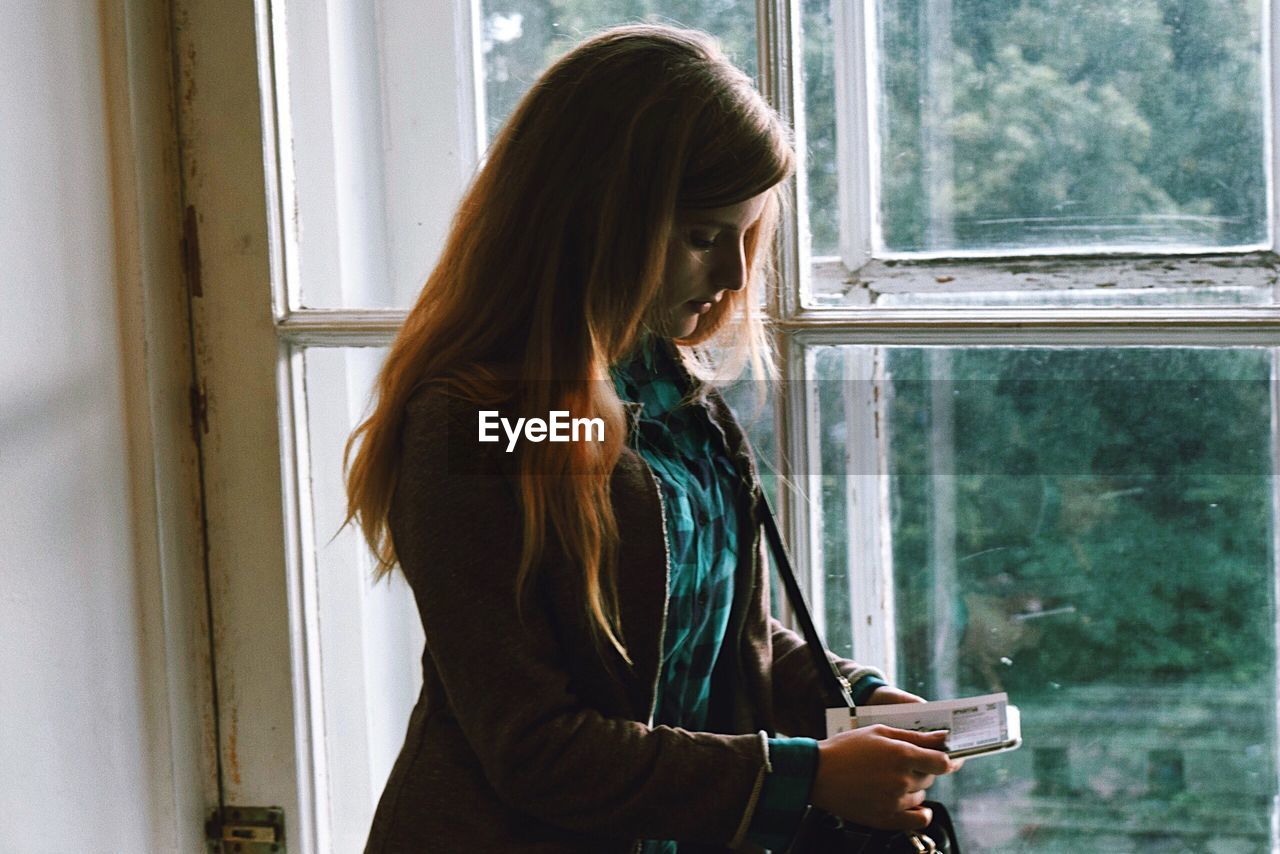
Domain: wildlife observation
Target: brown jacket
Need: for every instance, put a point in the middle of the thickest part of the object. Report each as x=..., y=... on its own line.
x=521, y=740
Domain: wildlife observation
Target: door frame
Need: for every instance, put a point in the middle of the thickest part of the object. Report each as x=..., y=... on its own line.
x=259, y=738
x=163, y=457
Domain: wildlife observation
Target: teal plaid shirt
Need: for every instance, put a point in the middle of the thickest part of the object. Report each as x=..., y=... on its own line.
x=698, y=484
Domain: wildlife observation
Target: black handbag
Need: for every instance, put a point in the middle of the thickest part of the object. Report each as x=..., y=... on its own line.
x=821, y=832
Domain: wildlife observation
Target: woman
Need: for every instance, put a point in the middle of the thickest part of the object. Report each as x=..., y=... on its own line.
x=601, y=672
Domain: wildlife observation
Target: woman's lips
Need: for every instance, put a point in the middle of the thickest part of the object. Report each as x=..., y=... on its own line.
x=698, y=306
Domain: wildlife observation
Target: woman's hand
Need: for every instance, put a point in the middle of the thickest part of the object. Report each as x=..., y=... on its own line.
x=878, y=775
x=886, y=694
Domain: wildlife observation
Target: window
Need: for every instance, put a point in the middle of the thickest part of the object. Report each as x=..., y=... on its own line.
x=1029, y=336
x=1069, y=127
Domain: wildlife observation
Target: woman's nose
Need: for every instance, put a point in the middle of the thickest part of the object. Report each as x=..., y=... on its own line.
x=732, y=270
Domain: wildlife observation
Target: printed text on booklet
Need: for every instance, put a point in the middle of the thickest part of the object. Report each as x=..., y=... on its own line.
x=976, y=725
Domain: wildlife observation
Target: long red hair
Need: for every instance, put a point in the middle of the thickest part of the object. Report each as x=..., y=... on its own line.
x=553, y=267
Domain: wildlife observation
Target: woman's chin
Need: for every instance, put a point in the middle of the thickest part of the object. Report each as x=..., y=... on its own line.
x=679, y=323
x=683, y=330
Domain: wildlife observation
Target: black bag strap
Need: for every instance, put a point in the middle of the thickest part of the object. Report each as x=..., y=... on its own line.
x=834, y=684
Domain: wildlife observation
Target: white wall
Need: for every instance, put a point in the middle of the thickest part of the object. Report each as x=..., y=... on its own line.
x=87, y=757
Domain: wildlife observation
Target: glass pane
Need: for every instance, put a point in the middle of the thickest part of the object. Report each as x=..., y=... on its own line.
x=374, y=152
x=1091, y=531
x=370, y=639
x=820, y=128
x=1041, y=124
x=522, y=37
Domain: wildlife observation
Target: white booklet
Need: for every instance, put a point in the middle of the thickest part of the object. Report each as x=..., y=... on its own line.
x=977, y=725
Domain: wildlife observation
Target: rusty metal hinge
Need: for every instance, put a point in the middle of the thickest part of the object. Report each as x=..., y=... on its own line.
x=246, y=830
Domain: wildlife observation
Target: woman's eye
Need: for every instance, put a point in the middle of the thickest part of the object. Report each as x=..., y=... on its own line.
x=701, y=242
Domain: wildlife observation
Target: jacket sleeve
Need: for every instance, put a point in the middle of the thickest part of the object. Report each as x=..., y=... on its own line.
x=797, y=693
x=798, y=701
x=544, y=752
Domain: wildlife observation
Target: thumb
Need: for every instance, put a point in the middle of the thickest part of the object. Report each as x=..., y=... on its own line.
x=929, y=754
x=936, y=740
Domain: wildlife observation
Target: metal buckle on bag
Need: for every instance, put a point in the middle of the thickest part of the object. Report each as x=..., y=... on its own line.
x=924, y=844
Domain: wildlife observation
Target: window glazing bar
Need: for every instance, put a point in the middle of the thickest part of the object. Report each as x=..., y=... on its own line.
x=779, y=54
x=341, y=328
x=857, y=136
x=1252, y=326
x=1054, y=326
x=1274, y=723
x=799, y=501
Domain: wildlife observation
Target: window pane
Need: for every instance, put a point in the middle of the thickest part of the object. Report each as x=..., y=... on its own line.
x=1089, y=530
x=1022, y=124
x=753, y=406
x=374, y=151
x=820, y=128
x=522, y=37
x=370, y=639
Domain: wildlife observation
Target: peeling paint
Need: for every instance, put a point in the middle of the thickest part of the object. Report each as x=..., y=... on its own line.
x=191, y=251
x=233, y=758
x=189, y=90
x=1243, y=279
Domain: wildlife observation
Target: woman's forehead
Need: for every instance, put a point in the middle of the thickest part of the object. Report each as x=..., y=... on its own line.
x=735, y=217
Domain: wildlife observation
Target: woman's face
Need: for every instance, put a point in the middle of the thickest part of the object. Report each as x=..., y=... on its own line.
x=706, y=257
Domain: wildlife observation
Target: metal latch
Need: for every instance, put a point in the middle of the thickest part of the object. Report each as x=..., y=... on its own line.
x=246, y=830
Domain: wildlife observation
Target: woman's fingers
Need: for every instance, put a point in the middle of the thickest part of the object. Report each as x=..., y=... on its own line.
x=936, y=738
x=919, y=751
x=885, y=695
x=933, y=762
x=921, y=760
x=915, y=818
x=920, y=782
x=878, y=775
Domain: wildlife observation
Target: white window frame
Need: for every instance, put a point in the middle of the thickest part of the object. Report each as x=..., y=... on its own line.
x=447, y=37
x=862, y=271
